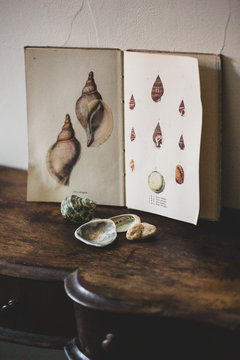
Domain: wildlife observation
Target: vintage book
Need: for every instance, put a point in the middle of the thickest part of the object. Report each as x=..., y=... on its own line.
x=124, y=128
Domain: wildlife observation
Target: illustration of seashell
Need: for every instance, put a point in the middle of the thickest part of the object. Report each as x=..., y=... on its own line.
x=131, y=165
x=156, y=182
x=94, y=115
x=182, y=108
x=132, y=103
x=181, y=143
x=63, y=155
x=157, y=90
x=179, y=174
x=78, y=210
x=133, y=135
x=97, y=232
x=157, y=136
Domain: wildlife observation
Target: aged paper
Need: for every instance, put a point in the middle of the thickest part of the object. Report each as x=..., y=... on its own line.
x=75, y=146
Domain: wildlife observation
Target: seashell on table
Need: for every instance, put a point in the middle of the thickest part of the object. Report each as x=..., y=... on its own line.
x=97, y=232
x=125, y=221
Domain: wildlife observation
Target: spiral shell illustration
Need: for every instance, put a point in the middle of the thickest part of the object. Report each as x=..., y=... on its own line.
x=93, y=114
x=131, y=164
x=157, y=136
x=179, y=174
x=182, y=108
x=63, y=154
x=133, y=135
x=181, y=143
x=157, y=90
x=132, y=103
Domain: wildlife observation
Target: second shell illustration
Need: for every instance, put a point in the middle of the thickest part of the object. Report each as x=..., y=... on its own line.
x=133, y=135
x=156, y=182
x=63, y=154
x=157, y=90
x=157, y=136
x=182, y=108
x=94, y=114
x=181, y=143
x=179, y=174
x=132, y=103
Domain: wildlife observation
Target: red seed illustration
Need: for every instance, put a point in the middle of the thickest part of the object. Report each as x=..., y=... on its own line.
x=132, y=103
x=157, y=136
x=131, y=165
x=182, y=108
x=181, y=143
x=133, y=135
x=157, y=90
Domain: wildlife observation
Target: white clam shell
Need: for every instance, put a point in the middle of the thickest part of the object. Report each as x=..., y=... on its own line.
x=99, y=233
x=125, y=221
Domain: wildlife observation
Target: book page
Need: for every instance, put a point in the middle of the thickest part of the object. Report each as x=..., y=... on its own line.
x=75, y=128
x=163, y=120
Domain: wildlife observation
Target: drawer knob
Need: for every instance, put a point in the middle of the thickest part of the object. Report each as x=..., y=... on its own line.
x=108, y=342
x=10, y=305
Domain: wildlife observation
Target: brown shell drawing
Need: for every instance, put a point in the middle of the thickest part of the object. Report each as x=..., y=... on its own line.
x=157, y=90
x=181, y=143
x=131, y=164
x=157, y=136
x=133, y=135
x=63, y=154
x=182, y=108
x=179, y=174
x=93, y=114
x=132, y=103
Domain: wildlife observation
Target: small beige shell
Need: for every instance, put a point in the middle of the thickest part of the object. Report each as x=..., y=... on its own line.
x=141, y=231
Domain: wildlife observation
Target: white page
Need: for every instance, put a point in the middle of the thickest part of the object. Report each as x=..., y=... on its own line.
x=179, y=76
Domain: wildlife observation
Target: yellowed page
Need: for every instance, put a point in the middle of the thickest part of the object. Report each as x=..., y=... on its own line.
x=75, y=141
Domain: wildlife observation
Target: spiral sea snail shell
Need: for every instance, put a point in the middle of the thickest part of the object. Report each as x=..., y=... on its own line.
x=93, y=114
x=63, y=154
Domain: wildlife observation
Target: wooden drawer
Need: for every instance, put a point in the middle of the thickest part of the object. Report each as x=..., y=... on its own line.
x=110, y=336
x=35, y=307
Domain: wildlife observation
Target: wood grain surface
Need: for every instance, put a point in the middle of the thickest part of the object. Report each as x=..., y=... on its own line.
x=183, y=270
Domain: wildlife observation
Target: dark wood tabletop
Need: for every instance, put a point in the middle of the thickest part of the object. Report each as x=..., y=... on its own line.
x=183, y=270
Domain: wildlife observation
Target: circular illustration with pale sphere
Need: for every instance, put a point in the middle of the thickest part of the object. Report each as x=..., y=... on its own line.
x=156, y=182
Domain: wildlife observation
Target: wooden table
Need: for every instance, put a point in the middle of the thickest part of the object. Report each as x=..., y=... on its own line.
x=175, y=295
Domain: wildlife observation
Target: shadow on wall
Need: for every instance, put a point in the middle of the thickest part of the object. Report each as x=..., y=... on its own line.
x=230, y=132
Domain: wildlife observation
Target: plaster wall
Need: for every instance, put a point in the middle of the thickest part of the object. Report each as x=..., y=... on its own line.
x=207, y=26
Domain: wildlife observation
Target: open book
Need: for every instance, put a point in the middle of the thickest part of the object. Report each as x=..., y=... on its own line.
x=122, y=128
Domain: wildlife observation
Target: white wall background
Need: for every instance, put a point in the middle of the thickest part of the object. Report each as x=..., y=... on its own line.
x=210, y=26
